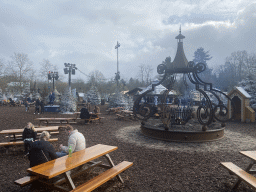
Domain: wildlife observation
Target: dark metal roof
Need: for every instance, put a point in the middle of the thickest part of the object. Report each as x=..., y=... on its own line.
x=180, y=60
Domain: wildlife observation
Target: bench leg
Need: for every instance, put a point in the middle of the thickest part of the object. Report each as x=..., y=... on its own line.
x=112, y=165
x=70, y=182
x=237, y=183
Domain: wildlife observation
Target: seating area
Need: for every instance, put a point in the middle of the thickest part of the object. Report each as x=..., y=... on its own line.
x=14, y=136
x=114, y=110
x=125, y=115
x=44, y=172
x=60, y=121
x=243, y=175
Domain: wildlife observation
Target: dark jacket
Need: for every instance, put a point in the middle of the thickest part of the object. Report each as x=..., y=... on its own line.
x=29, y=133
x=84, y=114
x=41, y=152
x=37, y=103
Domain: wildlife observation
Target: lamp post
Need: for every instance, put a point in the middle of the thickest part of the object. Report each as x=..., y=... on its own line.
x=53, y=76
x=117, y=73
x=70, y=69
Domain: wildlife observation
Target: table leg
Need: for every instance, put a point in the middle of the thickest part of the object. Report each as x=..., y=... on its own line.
x=69, y=179
x=237, y=183
x=112, y=164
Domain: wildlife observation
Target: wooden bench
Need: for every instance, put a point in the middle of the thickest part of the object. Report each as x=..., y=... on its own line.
x=26, y=180
x=243, y=175
x=38, y=134
x=14, y=143
x=56, y=120
x=103, y=177
x=62, y=167
x=119, y=116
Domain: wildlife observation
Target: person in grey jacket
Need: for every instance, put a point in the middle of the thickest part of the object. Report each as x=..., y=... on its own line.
x=76, y=141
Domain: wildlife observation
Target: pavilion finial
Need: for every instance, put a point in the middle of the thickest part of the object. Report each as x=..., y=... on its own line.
x=180, y=29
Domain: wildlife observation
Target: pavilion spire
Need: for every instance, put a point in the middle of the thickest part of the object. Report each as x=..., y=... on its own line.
x=180, y=60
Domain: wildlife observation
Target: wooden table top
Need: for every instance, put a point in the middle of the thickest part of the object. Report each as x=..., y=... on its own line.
x=61, y=165
x=12, y=131
x=42, y=119
x=127, y=111
x=250, y=154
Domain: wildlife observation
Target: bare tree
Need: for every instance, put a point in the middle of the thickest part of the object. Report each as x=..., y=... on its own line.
x=46, y=66
x=142, y=72
x=148, y=73
x=2, y=64
x=20, y=66
x=96, y=77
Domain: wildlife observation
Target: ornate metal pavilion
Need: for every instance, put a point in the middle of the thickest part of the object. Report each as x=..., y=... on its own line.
x=207, y=112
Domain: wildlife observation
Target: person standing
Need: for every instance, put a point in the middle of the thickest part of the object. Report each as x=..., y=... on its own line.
x=29, y=136
x=76, y=141
x=27, y=106
x=38, y=102
x=42, y=106
x=51, y=98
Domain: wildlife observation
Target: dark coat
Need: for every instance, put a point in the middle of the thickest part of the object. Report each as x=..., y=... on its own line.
x=37, y=103
x=29, y=133
x=84, y=114
x=41, y=152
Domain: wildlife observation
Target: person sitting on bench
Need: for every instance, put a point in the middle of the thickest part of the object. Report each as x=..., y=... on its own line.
x=96, y=109
x=85, y=114
x=76, y=141
x=41, y=151
x=29, y=135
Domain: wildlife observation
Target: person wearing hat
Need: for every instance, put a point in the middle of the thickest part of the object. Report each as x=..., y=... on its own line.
x=41, y=151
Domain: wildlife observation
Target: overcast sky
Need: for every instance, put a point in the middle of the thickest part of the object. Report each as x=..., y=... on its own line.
x=85, y=32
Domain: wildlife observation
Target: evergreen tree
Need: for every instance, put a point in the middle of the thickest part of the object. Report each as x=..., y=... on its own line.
x=249, y=85
x=202, y=56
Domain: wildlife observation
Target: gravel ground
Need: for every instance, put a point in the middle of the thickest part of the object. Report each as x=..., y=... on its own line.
x=158, y=165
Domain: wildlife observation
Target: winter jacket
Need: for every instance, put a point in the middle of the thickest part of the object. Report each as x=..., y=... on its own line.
x=29, y=133
x=41, y=152
x=84, y=114
x=76, y=141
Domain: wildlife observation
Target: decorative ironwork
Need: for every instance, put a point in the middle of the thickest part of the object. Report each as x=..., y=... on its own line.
x=207, y=112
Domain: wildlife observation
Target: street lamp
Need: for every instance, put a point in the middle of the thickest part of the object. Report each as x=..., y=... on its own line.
x=52, y=76
x=70, y=69
x=117, y=73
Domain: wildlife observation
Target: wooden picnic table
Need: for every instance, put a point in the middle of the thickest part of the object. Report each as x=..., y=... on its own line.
x=62, y=167
x=56, y=120
x=124, y=114
x=12, y=132
x=14, y=139
x=114, y=110
x=243, y=175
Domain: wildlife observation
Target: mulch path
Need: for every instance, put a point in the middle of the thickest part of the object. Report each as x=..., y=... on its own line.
x=155, y=168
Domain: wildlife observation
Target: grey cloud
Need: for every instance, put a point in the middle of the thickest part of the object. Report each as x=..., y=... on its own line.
x=198, y=18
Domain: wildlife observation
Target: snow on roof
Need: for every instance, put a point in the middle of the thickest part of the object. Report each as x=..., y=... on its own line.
x=241, y=89
x=81, y=94
x=159, y=89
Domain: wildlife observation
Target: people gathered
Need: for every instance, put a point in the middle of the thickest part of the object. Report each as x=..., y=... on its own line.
x=76, y=141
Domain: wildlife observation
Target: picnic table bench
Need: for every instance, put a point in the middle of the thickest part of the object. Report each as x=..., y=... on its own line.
x=125, y=114
x=56, y=121
x=14, y=139
x=84, y=161
x=243, y=175
x=114, y=110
